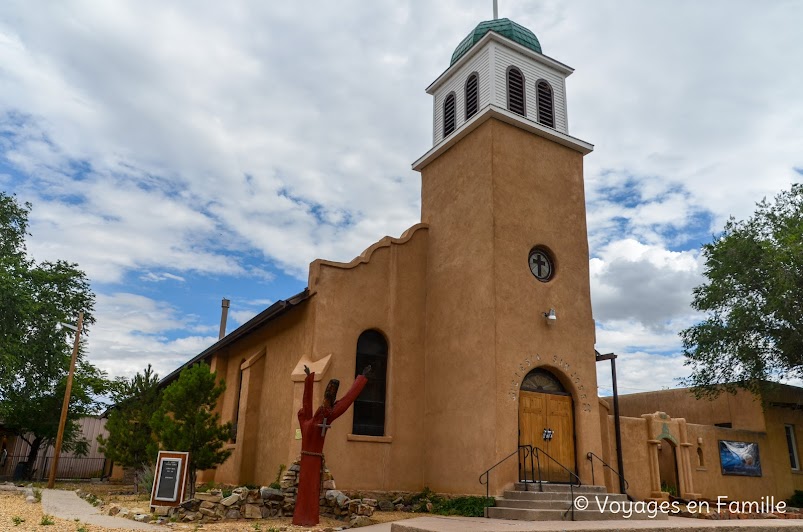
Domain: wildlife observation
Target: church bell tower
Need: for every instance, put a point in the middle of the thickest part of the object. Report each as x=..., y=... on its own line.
x=508, y=295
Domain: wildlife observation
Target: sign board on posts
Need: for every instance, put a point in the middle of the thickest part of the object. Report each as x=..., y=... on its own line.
x=170, y=478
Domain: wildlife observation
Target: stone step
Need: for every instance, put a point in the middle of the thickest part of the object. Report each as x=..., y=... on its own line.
x=559, y=496
x=547, y=486
x=522, y=514
x=545, y=504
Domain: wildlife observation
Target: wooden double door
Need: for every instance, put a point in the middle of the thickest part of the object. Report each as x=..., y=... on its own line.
x=553, y=412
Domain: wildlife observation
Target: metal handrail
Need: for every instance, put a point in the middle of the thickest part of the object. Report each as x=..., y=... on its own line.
x=591, y=457
x=529, y=452
x=571, y=473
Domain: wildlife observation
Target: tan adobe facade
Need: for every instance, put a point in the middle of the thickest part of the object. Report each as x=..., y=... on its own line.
x=464, y=321
x=483, y=321
x=456, y=301
x=676, y=437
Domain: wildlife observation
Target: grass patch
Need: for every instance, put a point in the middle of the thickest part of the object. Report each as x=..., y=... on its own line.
x=47, y=520
x=17, y=520
x=430, y=502
x=466, y=506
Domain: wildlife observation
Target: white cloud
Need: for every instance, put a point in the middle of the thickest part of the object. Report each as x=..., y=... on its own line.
x=160, y=141
x=646, y=284
x=641, y=372
x=241, y=316
x=132, y=334
x=158, y=277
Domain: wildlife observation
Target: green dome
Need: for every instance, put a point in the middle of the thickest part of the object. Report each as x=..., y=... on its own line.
x=503, y=26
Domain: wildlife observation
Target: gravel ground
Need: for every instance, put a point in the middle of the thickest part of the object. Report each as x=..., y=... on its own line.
x=13, y=505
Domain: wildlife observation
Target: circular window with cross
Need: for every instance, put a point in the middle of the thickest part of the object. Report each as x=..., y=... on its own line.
x=541, y=264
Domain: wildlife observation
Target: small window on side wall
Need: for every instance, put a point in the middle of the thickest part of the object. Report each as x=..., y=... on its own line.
x=369, y=408
x=546, y=106
x=448, y=115
x=791, y=444
x=515, y=91
x=472, y=95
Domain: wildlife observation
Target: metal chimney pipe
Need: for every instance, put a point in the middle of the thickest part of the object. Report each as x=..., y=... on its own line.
x=224, y=312
x=496, y=10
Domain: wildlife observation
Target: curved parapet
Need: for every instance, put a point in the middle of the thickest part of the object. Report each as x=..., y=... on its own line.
x=365, y=256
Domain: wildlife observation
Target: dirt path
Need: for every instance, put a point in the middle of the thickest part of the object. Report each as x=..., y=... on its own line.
x=68, y=505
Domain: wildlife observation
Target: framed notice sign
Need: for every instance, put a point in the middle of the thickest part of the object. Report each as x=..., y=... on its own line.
x=170, y=478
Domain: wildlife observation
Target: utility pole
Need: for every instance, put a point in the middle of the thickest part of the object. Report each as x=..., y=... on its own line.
x=51, y=481
x=616, y=423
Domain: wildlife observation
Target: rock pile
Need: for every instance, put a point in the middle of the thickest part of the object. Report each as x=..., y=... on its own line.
x=251, y=503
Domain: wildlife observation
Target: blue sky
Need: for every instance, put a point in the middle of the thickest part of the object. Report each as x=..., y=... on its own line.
x=181, y=153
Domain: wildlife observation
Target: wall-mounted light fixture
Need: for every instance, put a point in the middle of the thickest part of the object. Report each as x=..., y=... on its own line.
x=550, y=316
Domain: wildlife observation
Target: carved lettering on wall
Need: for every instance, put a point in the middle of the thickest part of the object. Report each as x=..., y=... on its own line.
x=524, y=367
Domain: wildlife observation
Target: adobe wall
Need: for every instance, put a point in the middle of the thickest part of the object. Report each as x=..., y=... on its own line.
x=539, y=199
x=489, y=200
x=778, y=455
x=267, y=401
x=383, y=289
x=741, y=409
x=707, y=479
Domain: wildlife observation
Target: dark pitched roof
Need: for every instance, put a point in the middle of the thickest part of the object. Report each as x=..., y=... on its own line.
x=270, y=313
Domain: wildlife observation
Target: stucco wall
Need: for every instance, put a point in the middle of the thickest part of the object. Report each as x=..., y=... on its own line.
x=256, y=457
x=777, y=478
x=464, y=319
x=488, y=201
x=743, y=410
x=384, y=289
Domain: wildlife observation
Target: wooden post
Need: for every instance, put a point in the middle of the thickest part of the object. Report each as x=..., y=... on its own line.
x=51, y=481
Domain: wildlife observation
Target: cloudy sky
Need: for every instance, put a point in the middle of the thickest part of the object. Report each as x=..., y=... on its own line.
x=182, y=152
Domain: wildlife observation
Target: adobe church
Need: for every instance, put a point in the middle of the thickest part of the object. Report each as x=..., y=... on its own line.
x=477, y=321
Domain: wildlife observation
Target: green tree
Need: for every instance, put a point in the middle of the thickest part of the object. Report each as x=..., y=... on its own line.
x=131, y=442
x=753, y=299
x=185, y=421
x=35, y=351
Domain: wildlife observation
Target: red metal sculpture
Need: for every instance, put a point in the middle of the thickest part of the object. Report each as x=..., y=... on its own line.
x=313, y=433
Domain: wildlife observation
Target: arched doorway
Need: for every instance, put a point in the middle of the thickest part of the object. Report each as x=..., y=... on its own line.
x=668, y=467
x=546, y=405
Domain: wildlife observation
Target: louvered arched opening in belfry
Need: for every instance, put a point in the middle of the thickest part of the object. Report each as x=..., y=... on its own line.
x=515, y=91
x=369, y=408
x=472, y=95
x=448, y=115
x=546, y=106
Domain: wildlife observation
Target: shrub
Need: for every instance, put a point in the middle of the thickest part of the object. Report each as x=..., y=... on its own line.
x=466, y=506
x=796, y=499
x=145, y=478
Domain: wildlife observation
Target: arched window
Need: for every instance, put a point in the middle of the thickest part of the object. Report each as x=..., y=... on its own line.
x=546, y=107
x=369, y=408
x=472, y=95
x=448, y=115
x=542, y=381
x=515, y=91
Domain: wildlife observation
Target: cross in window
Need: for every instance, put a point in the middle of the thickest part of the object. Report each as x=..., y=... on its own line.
x=538, y=260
